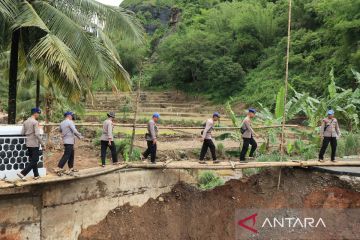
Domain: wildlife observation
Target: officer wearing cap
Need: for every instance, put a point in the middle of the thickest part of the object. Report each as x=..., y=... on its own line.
x=107, y=140
x=248, y=135
x=206, y=137
x=151, y=138
x=68, y=132
x=329, y=132
x=33, y=141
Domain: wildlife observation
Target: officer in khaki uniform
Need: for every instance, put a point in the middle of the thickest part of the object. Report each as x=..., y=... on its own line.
x=206, y=137
x=107, y=140
x=248, y=135
x=329, y=132
x=151, y=139
x=31, y=130
x=68, y=132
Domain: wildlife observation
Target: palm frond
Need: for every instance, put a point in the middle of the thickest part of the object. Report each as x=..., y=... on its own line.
x=113, y=17
x=97, y=57
x=56, y=57
x=28, y=17
x=8, y=8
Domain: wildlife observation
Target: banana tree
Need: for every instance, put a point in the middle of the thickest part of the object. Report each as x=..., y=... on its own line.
x=346, y=103
x=293, y=107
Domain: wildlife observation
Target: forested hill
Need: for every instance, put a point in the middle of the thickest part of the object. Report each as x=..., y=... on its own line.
x=237, y=48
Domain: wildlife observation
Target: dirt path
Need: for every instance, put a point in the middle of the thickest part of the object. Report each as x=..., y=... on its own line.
x=187, y=213
x=86, y=156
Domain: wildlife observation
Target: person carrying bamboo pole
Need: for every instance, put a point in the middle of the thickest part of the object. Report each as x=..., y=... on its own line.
x=329, y=133
x=151, y=139
x=206, y=137
x=31, y=130
x=248, y=135
x=68, y=132
x=107, y=140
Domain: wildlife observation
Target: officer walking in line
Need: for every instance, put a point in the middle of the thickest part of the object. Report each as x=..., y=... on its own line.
x=33, y=141
x=68, y=132
x=207, y=139
x=329, y=132
x=248, y=135
x=107, y=140
x=151, y=138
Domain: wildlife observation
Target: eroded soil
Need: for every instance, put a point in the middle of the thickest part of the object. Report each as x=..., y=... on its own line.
x=188, y=213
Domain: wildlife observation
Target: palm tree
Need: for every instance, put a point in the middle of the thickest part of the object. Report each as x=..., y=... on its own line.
x=64, y=39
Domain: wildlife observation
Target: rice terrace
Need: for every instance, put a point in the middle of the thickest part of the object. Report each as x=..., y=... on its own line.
x=179, y=119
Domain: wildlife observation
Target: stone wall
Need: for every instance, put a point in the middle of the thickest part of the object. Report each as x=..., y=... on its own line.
x=61, y=210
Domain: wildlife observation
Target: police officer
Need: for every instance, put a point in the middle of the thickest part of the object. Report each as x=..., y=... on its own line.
x=68, y=132
x=151, y=138
x=248, y=135
x=329, y=132
x=107, y=140
x=33, y=141
x=206, y=137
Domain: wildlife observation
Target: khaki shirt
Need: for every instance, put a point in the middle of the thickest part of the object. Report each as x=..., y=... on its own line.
x=31, y=130
x=152, y=131
x=107, y=134
x=330, y=128
x=249, y=131
x=209, y=126
x=69, y=131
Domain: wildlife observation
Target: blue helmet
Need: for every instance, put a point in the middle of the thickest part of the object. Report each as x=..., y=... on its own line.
x=35, y=110
x=252, y=110
x=330, y=112
x=216, y=114
x=156, y=115
x=69, y=113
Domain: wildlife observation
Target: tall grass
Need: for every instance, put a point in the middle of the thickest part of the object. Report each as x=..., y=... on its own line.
x=209, y=180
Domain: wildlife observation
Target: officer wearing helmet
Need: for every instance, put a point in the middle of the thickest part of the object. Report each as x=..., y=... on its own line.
x=68, y=133
x=33, y=141
x=206, y=137
x=107, y=140
x=248, y=135
x=151, y=138
x=329, y=132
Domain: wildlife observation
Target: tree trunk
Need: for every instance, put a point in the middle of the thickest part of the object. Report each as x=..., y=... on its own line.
x=14, y=59
x=135, y=114
x=48, y=114
x=38, y=91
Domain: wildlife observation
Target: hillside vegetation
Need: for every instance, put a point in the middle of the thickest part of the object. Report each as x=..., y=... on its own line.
x=237, y=48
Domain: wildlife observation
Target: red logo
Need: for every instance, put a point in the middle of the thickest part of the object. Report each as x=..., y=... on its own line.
x=250, y=228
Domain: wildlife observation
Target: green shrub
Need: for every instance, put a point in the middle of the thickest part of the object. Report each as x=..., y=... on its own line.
x=220, y=149
x=96, y=141
x=341, y=148
x=272, y=157
x=123, y=148
x=352, y=143
x=250, y=171
x=209, y=180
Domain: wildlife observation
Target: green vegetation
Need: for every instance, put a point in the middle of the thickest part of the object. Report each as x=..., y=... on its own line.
x=209, y=180
x=123, y=148
x=237, y=48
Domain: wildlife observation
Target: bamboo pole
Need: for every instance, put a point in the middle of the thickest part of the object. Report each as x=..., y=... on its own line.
x=135, y=114
x=171, y=127
x=282, y=150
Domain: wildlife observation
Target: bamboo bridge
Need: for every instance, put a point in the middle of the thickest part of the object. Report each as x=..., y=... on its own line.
x=182, y=165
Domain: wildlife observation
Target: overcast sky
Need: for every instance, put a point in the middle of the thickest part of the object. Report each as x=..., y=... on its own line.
x=111, y=2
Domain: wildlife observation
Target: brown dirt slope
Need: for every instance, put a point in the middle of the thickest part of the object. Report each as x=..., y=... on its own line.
x=187, y=213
